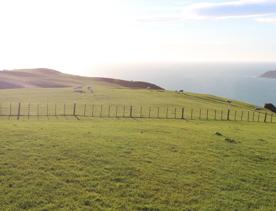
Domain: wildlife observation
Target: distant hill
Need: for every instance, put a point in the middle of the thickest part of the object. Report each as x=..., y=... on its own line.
x=48, y=78
x=269, y=74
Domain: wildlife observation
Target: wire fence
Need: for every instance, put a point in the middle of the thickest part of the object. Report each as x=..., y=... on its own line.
x=19, y=110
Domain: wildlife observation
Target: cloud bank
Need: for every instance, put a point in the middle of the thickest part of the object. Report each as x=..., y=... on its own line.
x=255, y=9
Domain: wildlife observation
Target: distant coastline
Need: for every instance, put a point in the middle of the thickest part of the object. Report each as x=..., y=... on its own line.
x=269, y=74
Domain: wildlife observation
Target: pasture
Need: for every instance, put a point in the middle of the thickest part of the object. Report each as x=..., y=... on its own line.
x=136, y=164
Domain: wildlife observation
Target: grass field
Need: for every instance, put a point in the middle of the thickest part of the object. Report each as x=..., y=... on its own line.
x=105, y=164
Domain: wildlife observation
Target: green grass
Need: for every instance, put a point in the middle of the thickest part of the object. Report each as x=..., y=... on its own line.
x=105, y=164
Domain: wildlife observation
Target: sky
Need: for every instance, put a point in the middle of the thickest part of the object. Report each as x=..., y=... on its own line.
x=78, y=36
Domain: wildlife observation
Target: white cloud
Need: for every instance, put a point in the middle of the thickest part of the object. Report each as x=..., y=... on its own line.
x=222, y=10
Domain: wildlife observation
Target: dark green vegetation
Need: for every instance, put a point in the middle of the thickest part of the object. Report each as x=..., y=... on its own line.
x=137, y=165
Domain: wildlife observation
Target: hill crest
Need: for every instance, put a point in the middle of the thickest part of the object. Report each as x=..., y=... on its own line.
x=49, y=78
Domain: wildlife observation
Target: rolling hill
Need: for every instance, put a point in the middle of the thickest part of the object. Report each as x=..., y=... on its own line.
x=48, y=78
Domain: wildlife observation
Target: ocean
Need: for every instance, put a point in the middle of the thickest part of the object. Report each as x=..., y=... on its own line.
x=239, y=81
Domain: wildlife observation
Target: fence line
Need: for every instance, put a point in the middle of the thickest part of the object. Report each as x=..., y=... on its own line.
x=131, y=111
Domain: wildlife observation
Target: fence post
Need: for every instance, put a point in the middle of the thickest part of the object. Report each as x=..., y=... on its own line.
x=192, y=112
x=149, y=112
x=207, y=114
x=271, y=118
x=108, y=110
x=259, y=116
x=183, y=113
x=158, y=110
x=92, y=112
x=200, y=114
x=37, y=111
x=18, y=113
x=221, y=115
x=265, y=117
x=84, y=112
x=29, y=107
x=47, y=110
x=235, y=115
x=175, y=113
x=55, y=109
x=10, y=109
x=64, y=109
x=167, y=113
x=228, y=115
x=215, y=114
x=248, y=116
x=101, y=112
x=116, y=112
x=124, y=110
x=141, y=111
x=74, y=109
x=242, y=116
x=253, y=116
x=130, y=111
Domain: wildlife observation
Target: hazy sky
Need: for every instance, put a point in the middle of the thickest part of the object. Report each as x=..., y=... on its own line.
x=75, y=35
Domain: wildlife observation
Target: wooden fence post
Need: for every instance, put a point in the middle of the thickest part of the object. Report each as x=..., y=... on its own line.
x=259, y=116
x=84, y=112
x=149, y=112
x=158, y=110
x=242, y=116
x=207, y=114
x=130, y=113
x=167, y=113
x=265, y=117
x=92, y=111
x=74, y=109
x=215, y=114
x=55, y=109
x=221, y=115
x=18, y=112
x=124, y=110
x=183, y=113
x=37, y=110
x=228, y=115
x=253, y=116
x=101, y=112
x=10, y=109
x=64, y=109
x=248, y=116
x=235, y=115
x=192, y=112
x=200, y=114
x=175, y=113
x=108, y=110
x=116, y=112
x=141, y=111
x=47, y=112
x=29, y=107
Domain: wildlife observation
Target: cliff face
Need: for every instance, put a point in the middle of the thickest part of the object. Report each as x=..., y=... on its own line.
x=47, y=78
x=269, y=74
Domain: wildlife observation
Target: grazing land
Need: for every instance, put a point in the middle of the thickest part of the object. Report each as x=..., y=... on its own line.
x=67, y=163
x=105, y=164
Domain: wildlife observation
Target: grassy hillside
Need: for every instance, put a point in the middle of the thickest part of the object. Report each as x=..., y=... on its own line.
x=137, y=165
x=48, y=78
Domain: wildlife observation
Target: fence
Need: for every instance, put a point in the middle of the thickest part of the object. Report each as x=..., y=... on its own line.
x=129, y=111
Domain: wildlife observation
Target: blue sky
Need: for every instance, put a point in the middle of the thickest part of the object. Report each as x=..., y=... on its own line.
x=80, y=34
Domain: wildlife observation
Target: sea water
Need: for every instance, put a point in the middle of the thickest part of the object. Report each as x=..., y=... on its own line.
x=240, y=81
